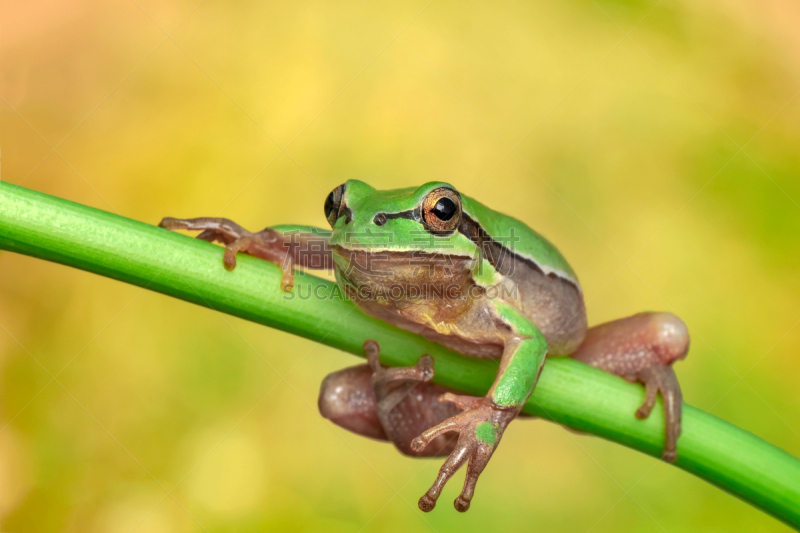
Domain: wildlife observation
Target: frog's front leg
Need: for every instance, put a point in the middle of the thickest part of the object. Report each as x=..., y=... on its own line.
x=286, y=246
x=642, y=348
x=483, y=421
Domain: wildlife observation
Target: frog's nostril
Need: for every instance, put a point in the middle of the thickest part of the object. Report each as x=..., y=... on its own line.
x=380, y=219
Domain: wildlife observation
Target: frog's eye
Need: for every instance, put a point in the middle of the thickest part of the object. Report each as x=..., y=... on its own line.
x=333, y=204
x=441, y=210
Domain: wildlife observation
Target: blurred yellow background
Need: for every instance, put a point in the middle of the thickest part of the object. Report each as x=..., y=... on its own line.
x=656, y=143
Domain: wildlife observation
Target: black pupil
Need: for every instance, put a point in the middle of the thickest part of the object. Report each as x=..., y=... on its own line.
x=445, y=209
x=329, y=205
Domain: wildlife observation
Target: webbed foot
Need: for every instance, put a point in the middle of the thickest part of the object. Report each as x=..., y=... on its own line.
x=480, y=427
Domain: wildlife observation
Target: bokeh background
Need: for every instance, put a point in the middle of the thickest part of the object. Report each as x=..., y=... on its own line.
x=657, y=143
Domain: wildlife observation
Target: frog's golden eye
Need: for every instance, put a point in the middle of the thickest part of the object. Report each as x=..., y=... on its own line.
x=333, y=204
x=441, y=210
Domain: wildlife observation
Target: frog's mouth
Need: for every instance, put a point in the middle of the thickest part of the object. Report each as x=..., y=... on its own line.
x=408, y=270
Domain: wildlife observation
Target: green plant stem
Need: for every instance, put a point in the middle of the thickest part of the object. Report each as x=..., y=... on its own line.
x=569, y=393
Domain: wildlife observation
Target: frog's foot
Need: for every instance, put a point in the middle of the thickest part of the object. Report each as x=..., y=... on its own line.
x=388, y=382
x=407, y=403
x=480, y=427
x=662, y=379
x=643, y=348
x=267, y=244
x=394, y=404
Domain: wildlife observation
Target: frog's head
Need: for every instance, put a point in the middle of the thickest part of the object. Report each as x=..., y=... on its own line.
x=389, y=241
x=425, y=218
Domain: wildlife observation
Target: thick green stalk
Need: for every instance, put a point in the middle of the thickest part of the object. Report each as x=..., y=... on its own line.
x=569, y=392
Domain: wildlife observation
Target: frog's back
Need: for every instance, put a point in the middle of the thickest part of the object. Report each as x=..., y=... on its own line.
x=549, y=293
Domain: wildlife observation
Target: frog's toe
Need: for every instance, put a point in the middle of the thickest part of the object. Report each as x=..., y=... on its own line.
x=454, y=423
x=190, y=224
x=454, y=461
x=662, y=379
x=383, y=377
x=426, y=503
x=480, y=458
x=266, y=244
x=425, y=368
x=211, y=229
x=461, y=504
x=480, y=428
x=460, y=401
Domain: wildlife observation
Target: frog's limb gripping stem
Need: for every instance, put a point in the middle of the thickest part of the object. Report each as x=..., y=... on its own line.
x=422, y=372
x=392, y=385
x=267, y=244
x=643, y=348
x=662, y=379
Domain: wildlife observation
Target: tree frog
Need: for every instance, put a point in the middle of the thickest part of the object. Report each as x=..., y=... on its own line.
x=439, y=263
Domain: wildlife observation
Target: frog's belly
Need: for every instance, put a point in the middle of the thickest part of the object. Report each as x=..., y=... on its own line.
x=474, y=333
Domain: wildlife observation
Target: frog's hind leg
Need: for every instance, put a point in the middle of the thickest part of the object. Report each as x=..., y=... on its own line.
x=267, y=244
x=643, y=348
x=394, y=404
x=346, y=399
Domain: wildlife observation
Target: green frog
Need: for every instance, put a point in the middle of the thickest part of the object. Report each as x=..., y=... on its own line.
x=438, y=263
